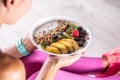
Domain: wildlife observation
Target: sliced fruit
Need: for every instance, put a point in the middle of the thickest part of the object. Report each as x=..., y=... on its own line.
x=73, y=42
x=60, y=46
x=52, y=49
x=68, y=31
x=66, y=35
x=67, y=44
x=42, y=46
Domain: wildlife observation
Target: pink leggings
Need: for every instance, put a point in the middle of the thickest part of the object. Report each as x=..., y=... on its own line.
x=77, y=71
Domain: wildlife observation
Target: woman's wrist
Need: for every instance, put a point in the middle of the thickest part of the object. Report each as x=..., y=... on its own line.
x=48, y=70
x=54, y=62
x=28, y=44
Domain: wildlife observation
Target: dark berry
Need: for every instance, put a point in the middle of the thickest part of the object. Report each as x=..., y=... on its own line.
x=81, y=43
x=44, y=31
x=69, y=52
x=77, y=39
x=67, y=27
x=82, y=39
x=83, y=32
x=55, y=36
x=81, y=36
x=61, y=33
x=80, y=28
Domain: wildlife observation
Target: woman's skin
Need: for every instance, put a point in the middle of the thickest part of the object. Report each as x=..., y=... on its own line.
x=53, y=64
x=11, y=68
x=10, y=12
x=13, y=50
x=105, y=64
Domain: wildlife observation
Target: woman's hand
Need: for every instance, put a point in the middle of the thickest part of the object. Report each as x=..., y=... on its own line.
x=53, y=64
x=65, y=60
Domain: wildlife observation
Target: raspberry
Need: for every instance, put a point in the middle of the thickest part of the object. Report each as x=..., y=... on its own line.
x=75, y=33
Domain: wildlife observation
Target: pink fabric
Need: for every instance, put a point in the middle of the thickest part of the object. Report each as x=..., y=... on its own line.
x=64, y=75
x=34, y=61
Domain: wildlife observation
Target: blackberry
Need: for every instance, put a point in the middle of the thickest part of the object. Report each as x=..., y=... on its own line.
x=77, y=39
x=80, y=28
x=82, y=39
x=83, y=32
x=81, y=43
x=81, y=36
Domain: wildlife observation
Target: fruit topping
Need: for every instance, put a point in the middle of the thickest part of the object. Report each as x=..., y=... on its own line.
x=66, y=38
x=75, y=33
x=80, y=28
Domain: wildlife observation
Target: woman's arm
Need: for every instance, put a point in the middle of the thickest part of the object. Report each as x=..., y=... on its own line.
x=13, y=50
x=48, y=70
x=53, y=64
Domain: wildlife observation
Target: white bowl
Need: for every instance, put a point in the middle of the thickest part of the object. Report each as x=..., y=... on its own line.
x=38, y=26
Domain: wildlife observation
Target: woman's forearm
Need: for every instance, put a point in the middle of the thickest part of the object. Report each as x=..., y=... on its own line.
x=48, y=70
x=13, y=50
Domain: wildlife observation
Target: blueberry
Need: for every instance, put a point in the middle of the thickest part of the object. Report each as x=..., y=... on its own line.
x=80, y=28
x=55, y=36
x=61, y=33
x=81, y=43
x=69, y=52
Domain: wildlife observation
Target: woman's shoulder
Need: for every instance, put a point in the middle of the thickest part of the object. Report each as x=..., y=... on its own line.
x=11, y=65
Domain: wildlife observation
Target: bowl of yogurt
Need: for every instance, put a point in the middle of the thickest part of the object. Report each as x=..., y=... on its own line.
x=60, y=36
